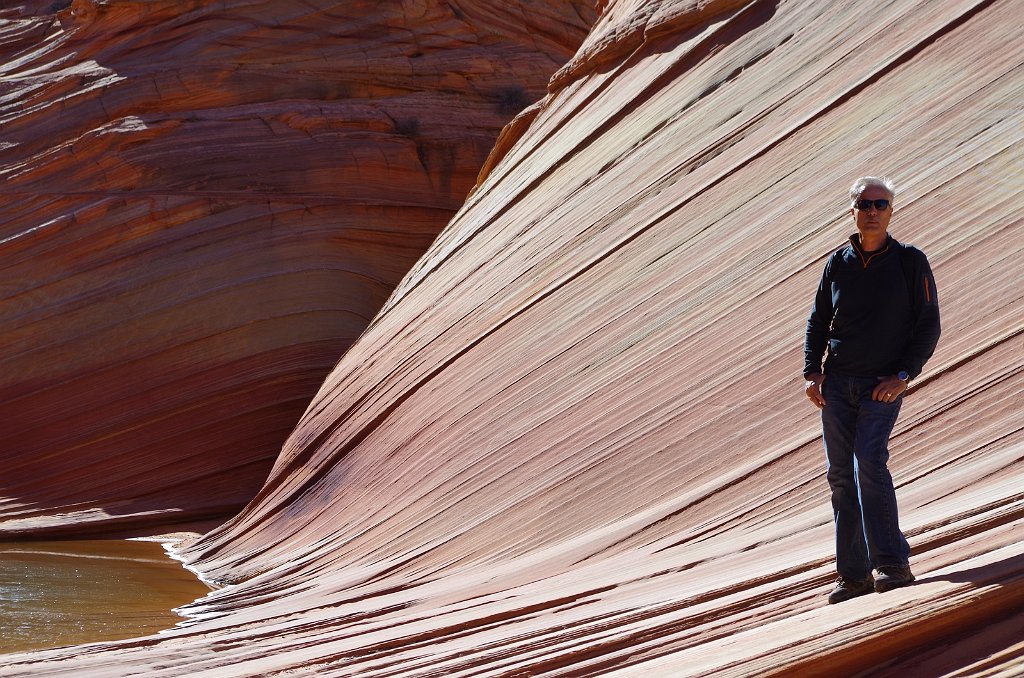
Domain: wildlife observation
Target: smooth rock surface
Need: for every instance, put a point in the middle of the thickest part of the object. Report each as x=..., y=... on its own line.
x=203, y=205
x=574, y=441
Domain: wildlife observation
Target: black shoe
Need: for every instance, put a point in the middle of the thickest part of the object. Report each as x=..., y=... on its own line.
x=846, y=589
x=892, y=577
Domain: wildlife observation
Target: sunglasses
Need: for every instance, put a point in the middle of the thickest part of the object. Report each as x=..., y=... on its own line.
x=881, y=204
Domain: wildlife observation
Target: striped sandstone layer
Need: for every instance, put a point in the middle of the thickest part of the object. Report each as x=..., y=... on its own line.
x=574, y=441
x=203, y=205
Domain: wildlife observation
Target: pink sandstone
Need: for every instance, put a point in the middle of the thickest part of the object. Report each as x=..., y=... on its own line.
x=203, y=205
x=574, y=441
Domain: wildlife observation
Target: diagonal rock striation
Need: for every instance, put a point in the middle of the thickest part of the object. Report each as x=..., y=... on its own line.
x=573, y=441
x=203, y=205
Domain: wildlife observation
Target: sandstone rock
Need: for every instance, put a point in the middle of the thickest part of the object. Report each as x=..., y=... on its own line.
x=204, y=204
x=574, y=440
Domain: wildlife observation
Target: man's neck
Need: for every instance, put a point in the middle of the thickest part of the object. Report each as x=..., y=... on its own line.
x=872, y=243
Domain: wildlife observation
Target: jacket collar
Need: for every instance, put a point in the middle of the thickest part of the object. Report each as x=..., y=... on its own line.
x=867, y=257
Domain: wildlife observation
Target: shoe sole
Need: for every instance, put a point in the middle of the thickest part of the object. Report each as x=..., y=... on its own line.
x=882, y=587
x=849, y=597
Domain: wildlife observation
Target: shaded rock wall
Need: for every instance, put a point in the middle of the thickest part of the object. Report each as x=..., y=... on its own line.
x=574, y=441
x=203, y=205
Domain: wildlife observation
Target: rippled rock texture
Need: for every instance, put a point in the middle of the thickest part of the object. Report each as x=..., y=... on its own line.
x=204, y=204
x=575, y=442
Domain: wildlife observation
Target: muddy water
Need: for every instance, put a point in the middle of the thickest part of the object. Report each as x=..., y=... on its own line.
x=68, y=593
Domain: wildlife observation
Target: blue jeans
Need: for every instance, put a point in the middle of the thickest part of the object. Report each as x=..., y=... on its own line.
x=856, y=434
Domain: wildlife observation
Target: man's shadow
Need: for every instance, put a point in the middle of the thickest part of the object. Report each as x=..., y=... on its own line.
x=1000, y=572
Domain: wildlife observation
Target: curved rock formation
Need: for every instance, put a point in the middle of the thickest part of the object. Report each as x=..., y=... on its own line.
x=574, y=440
x=203, y=205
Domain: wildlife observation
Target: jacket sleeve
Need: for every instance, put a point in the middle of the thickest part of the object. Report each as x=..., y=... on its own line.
x=927, y=327
x=819, y=323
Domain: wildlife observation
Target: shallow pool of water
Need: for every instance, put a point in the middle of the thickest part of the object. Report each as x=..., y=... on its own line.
x=73, y=592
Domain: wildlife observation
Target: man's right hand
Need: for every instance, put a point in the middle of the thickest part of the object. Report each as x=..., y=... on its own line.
x=813, y=389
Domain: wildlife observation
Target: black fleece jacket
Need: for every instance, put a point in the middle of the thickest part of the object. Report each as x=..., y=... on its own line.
x=876, y=312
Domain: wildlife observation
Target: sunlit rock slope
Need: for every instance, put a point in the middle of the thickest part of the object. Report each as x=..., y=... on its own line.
x=574, y=441
x=202, y=205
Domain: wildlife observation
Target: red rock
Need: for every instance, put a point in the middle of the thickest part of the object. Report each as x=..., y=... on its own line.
x=204, y=204
x=574, y=441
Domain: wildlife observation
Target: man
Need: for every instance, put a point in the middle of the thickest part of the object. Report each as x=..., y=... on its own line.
x=877, y=313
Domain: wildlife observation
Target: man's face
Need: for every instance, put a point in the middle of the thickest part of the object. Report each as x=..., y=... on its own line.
x=872, y=221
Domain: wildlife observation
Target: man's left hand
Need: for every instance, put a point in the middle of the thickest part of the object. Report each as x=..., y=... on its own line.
x=889, y=389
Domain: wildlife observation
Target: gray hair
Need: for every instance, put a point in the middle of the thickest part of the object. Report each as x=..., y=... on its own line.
x=881, y=182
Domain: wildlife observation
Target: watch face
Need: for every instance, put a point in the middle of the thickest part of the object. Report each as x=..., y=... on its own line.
x=903, y=376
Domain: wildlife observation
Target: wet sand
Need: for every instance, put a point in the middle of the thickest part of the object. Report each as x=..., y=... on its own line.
x=72, y=592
